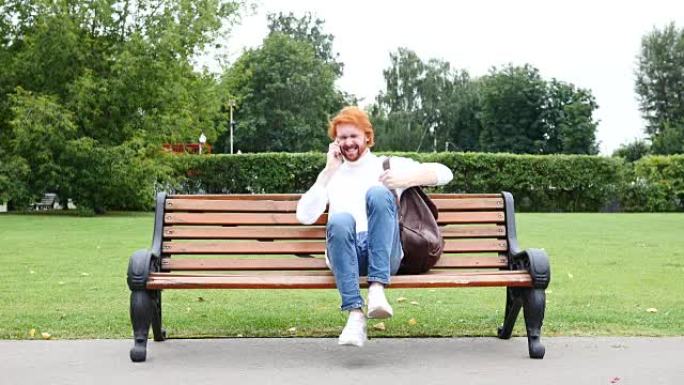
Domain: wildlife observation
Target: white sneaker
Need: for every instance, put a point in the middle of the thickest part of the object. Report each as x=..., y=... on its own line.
x=354, y=332
x=378, y=307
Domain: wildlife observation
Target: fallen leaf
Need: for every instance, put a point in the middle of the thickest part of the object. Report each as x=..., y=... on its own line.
x=414, y=302
x=379, y=326
x=412, y=322
x=46, y=336
x=292, y=330
x=32, y=333
x=652, y=310
x=401, y=299
x=571, y=276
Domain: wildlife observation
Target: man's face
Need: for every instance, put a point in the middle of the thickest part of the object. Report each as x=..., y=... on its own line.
x=352, y=141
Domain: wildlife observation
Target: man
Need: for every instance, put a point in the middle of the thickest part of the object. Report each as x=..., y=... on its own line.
x=363, y=228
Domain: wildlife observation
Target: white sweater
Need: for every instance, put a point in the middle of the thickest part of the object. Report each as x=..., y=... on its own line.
x=347, y=187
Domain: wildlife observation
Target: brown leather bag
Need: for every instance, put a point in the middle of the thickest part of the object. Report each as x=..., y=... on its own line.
x=421, y=238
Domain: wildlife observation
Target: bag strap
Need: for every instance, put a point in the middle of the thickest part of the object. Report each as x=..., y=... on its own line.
x=386, y=166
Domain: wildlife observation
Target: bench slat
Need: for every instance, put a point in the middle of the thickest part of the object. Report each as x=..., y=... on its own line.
x=178, y=232
x=158, y=281
x=313, y=247
x=291, y=206
x=209, y=264
x=295, y=197
x=291, y=219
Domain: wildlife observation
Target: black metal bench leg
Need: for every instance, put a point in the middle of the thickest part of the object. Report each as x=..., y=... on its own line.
x=534, y=304
x=157, y=330
x=142, y=312
x=513, y=304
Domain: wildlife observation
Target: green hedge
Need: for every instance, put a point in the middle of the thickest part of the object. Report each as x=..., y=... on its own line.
x=655, y=183
x=538, y=183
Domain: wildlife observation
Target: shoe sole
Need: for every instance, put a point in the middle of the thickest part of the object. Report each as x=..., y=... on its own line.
x=350, y=343
x=379, y=313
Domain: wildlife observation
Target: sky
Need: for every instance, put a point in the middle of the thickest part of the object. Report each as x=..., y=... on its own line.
x=591, y=44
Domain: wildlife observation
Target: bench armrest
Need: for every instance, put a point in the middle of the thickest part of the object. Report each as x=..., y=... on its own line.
x=536, y=262
x=139, y=266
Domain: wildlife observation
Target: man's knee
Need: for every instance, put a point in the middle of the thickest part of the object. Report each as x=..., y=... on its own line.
x=379, y=195
x=341, y=223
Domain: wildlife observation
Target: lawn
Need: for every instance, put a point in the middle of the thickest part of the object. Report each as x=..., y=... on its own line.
x=612, y=274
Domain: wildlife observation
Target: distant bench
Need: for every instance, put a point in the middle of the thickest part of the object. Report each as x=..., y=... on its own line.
x=250, y=230
x=47, y=203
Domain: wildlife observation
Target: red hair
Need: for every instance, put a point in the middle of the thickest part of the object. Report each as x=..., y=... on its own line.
x=356, y=116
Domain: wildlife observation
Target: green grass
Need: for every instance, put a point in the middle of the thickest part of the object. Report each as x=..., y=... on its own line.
x=66, y=276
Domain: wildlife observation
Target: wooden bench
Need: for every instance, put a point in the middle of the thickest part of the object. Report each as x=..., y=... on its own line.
x=47, y=203
x=255, y=232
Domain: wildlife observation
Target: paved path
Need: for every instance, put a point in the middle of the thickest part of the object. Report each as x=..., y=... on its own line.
x=452, y=361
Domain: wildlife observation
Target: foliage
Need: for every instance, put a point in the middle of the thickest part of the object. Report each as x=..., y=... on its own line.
x=285, y=95
x=539, y=183
x=633, y=151
x=660, y=86
x=523, y=113
x=658, y=184
x=510, y=110
x=85, y=82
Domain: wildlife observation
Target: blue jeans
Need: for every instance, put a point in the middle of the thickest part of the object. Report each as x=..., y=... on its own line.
x=375, y=253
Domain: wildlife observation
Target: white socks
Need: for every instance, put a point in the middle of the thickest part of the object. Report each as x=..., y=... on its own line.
x=378, y=307
x=354, y=332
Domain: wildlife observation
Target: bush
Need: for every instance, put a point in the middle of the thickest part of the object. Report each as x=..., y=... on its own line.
x=655, y=183
x=539, y=183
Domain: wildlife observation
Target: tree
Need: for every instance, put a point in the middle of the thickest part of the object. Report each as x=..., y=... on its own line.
x=660, y=88
x=307, y=29
x=633, y=151
x=101, y=76
x=421, y=98
x=523, y=113
x=513, y=110
x=285, y=89
x=568, y=117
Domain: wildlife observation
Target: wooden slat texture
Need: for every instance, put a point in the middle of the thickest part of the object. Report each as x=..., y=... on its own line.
x=291, y=206
x=469, y=204
x=169, y=281
x=294, y=197
x=243, y=247
x=178, y=232
x=239, y=197
x=209, y=264
x=236, y=219
x=244, y=232
x=315, y=247
x=471, y=217
x=291, y=219
x=465, y=231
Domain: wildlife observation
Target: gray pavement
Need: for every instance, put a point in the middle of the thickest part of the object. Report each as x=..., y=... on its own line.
x=568, y=360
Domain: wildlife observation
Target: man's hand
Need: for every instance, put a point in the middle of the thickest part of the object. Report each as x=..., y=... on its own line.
x=392, y=180
x=332, y=163
x=334, y=157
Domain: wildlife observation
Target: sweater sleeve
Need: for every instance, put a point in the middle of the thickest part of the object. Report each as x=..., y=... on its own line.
x=401, y=164
x=312, y=204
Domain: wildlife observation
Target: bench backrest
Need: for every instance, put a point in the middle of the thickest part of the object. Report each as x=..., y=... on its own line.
x=202, y=226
